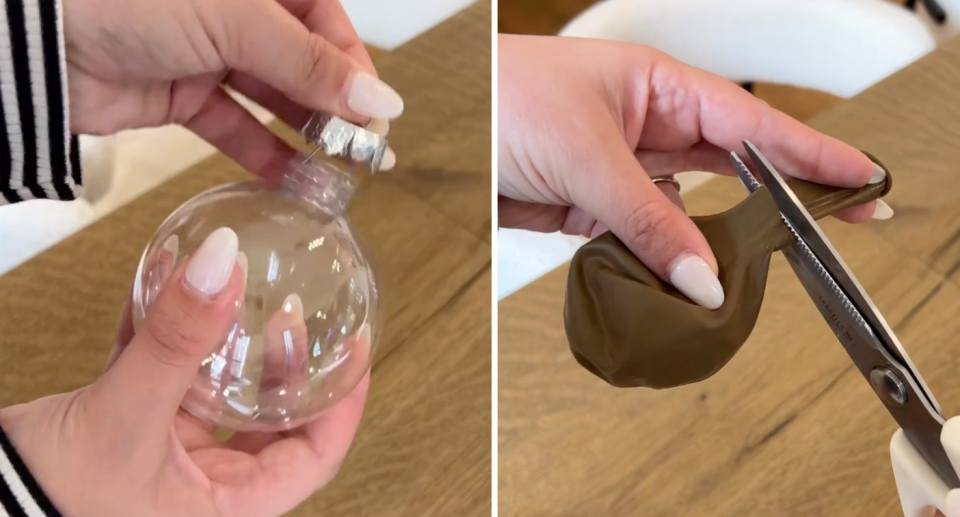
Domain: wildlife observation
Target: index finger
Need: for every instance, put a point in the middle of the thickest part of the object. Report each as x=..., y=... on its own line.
x=329, y=19
x=729, y=115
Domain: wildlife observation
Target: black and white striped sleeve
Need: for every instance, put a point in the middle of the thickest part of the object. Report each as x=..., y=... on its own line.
x=39, y=158
x=20, y=495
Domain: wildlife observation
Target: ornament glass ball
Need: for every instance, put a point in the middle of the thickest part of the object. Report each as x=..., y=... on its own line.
x=304, y=331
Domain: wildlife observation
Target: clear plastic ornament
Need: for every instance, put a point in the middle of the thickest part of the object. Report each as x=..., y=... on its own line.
x=305, y=329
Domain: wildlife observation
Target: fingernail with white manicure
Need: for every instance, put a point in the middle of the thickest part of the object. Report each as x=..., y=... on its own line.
x=244, y=268
x=691, y=275
x=243, y=263
x=878, y=175
x=293, y=304
x=389, y=160
x=883, y=211
x=952, y=503
x=373, y=98
x=212, y=265
x=365, y=335
x=172, y=245
x=167, y=258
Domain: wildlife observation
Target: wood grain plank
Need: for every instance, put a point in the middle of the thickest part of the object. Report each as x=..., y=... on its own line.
x=546, y=18
x=787, y=428
x=430, y=406
x=419, y=272
x=538, y=17
x=445, y=132
x=910, y=122
x=424, y=447
x=376, y=53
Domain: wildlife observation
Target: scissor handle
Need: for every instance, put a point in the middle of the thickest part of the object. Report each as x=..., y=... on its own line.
x=921, y=490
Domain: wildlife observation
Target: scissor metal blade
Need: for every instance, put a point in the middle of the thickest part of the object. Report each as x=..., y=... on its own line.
x=746, y=177
x=804, y=224
x=919, y=420
x=856, y=322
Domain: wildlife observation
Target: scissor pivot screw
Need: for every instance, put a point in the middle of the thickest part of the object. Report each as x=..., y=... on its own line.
x=888, y=387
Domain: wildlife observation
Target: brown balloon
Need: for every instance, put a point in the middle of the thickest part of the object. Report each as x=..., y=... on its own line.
x=631, y=329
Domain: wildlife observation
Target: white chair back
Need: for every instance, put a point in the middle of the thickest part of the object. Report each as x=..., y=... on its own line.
x=837, y=46
x=951, y=26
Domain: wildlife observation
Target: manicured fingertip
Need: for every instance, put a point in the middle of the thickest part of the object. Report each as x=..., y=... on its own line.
x=211, y=267
x=692, y=276
x=389, y=160
x=172, y=244
x=371, y=97
x=294, y=305
x=878, y=175
x=243, y=263
x=883, y=211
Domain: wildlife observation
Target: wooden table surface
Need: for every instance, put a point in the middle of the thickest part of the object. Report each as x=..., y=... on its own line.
x=424, y=447
x=789, y=427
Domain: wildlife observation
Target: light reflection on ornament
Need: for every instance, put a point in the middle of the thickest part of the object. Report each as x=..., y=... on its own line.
x=273, y=269
x=276, y=347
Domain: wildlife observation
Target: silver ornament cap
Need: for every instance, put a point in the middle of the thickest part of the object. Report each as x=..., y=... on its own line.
x=338, y=138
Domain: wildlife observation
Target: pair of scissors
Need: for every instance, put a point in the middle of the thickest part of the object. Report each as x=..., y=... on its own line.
x=925, y=450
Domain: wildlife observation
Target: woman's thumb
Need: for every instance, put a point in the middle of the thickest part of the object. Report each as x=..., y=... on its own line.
x=655, y=228
x=188, y=321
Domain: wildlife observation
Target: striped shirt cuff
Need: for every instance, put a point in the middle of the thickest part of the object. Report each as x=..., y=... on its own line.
x=20, y=495
x=39, y=158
